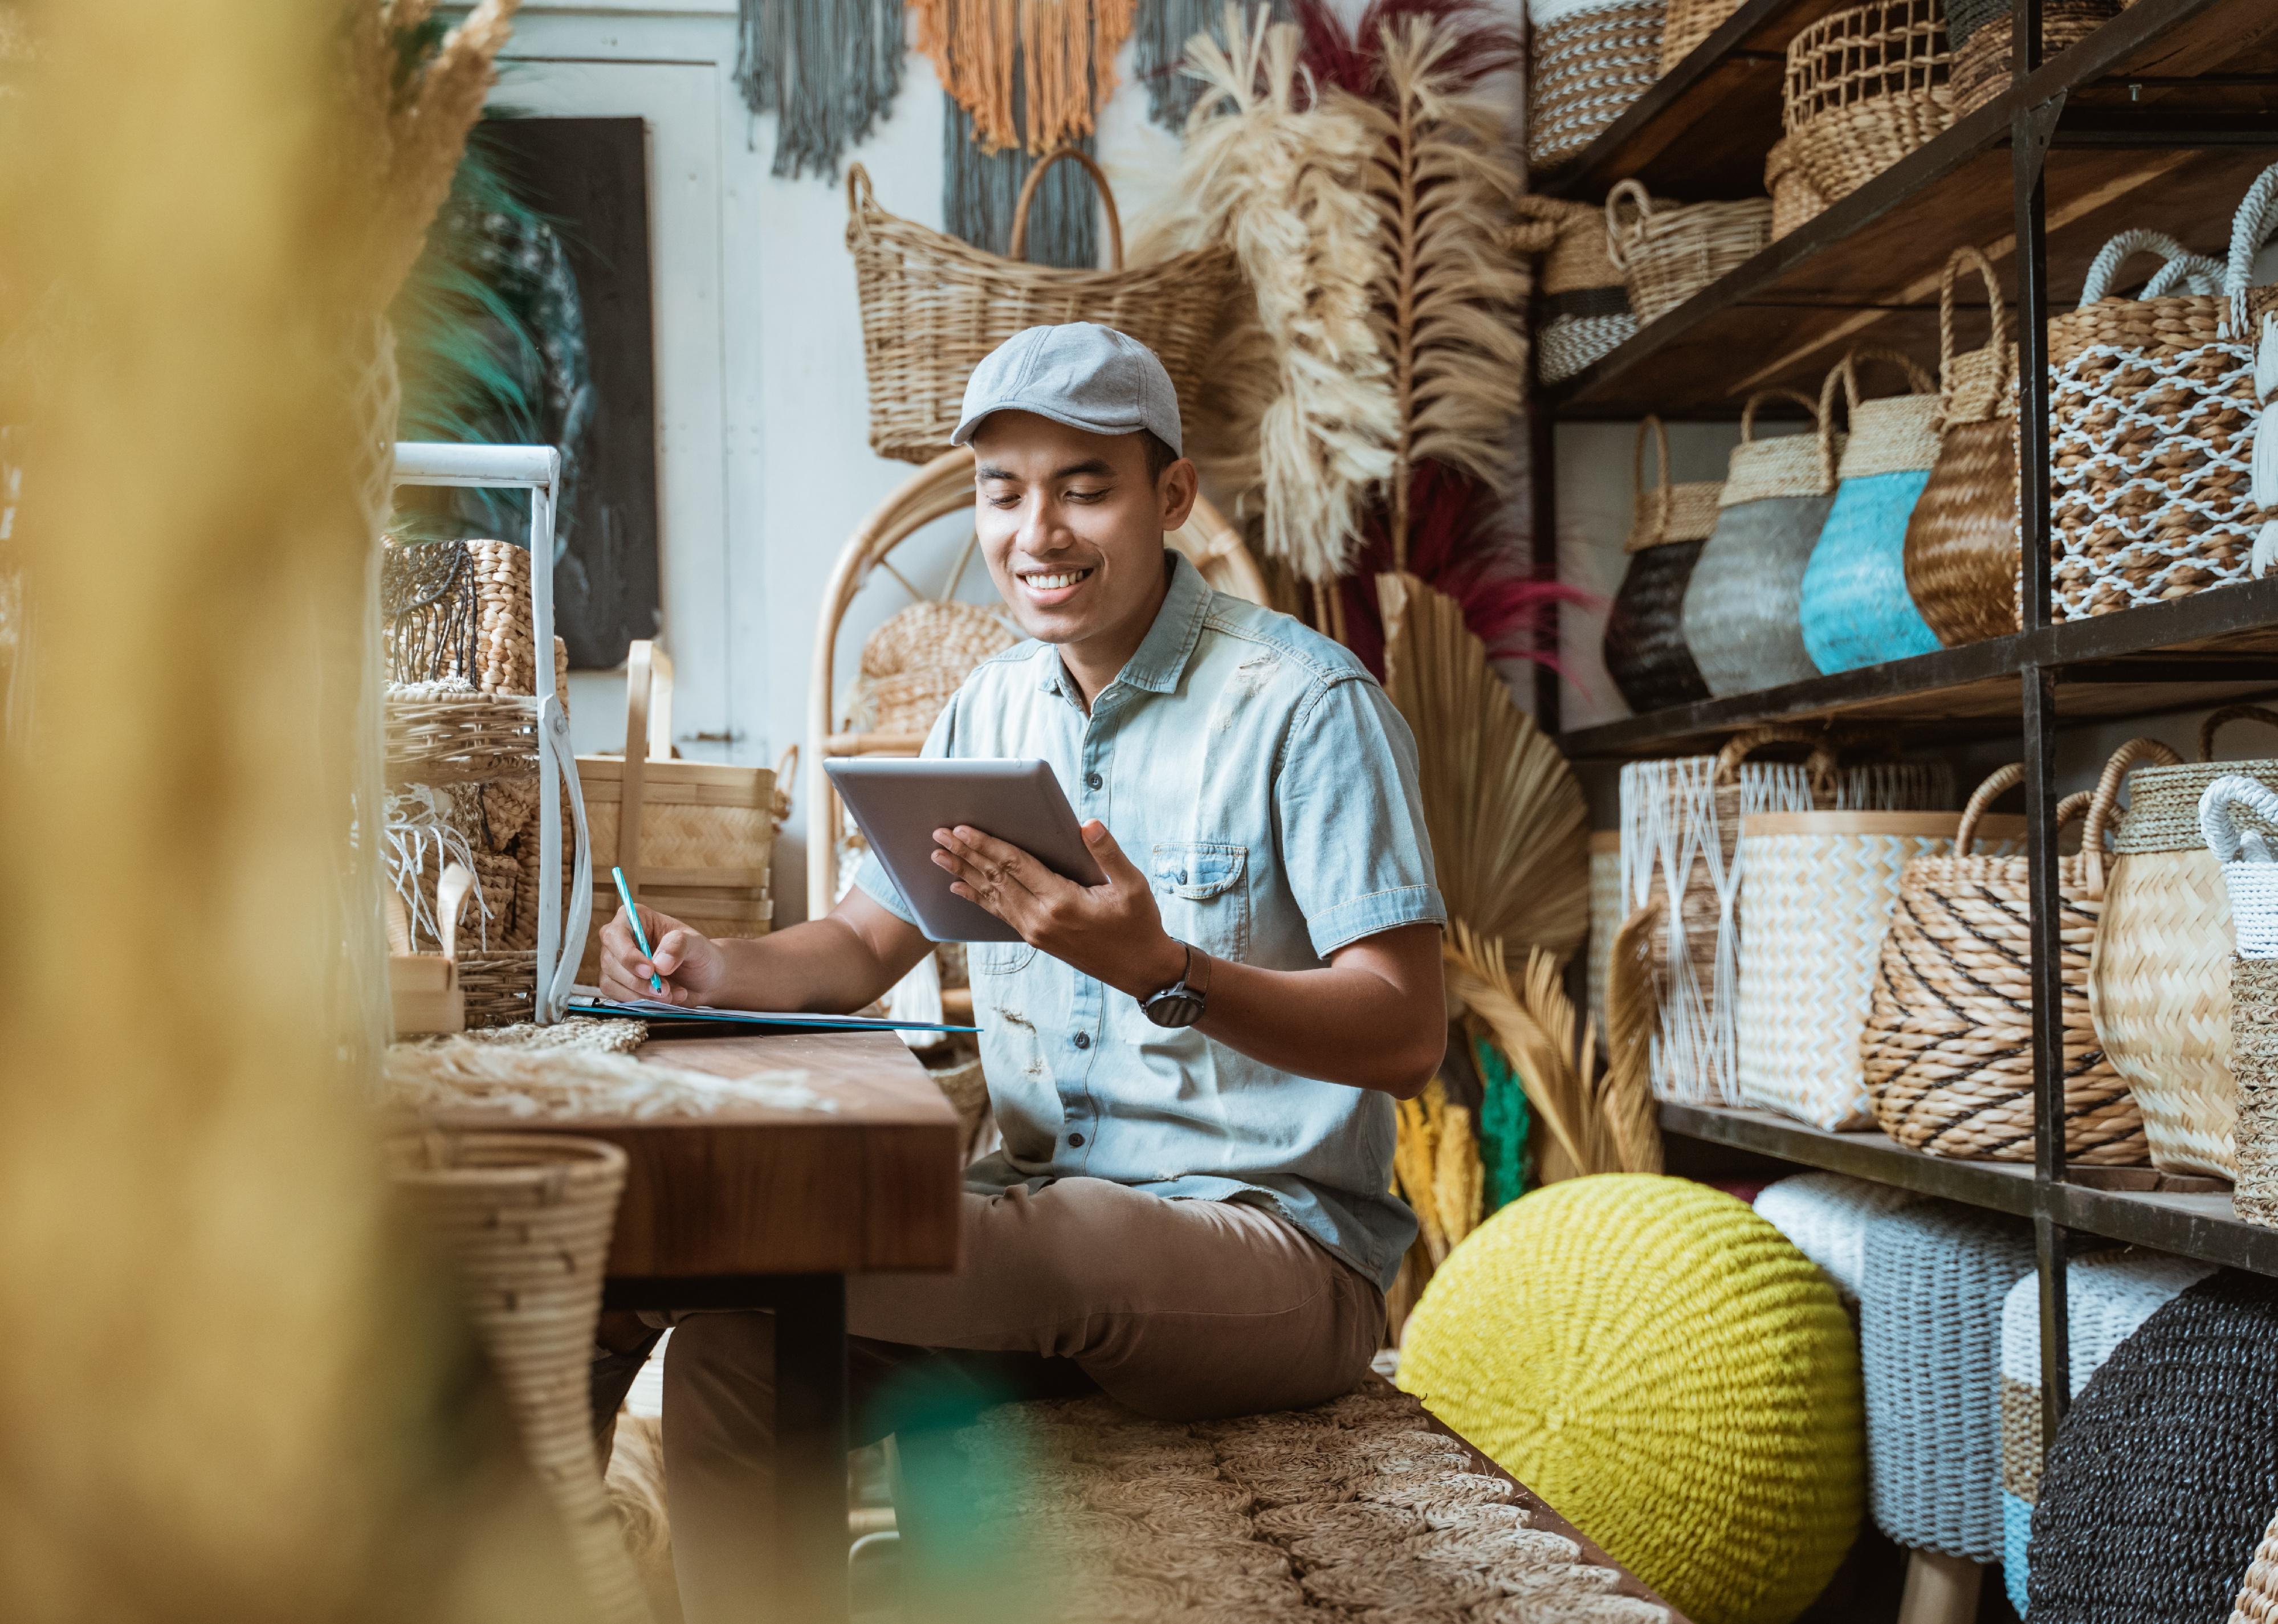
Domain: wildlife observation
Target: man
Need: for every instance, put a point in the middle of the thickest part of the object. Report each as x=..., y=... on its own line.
x=1193, y=1065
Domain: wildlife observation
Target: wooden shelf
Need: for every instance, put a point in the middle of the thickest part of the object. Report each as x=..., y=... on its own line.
x=2199, y=1226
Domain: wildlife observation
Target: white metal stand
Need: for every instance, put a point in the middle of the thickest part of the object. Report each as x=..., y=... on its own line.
x=536, y=469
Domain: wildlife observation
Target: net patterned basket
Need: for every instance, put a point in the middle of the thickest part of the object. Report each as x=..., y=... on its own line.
x=1980, y=30
x=1670, y=252
x=1948, y=1044
x=1742, y=612
x=1961, y=548
x=2159, y=981
x=1821, y=888
x=2151, y=413
x=933, y=306
x=1865, y=86
x=2107, y=1296
x=1645, y=650
x=1929, y=1340
x=1589, y=61
x=1689, y=22
x=1795, y=196
x=525, y=1218
x=1582, y=309
x=1826, y=1216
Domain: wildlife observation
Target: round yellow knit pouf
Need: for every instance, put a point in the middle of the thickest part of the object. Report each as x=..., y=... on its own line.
x=1661, y=1365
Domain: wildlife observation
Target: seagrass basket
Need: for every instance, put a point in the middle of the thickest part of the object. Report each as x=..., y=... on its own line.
x=1644, y=648
x=1980, y=32
x=1865, y=86
x=2159, y=975
x=2257, y=1592
x=1688, y=23
x=1948, y=1044
x=933, y=306
x=1795, y=196
x=1670, y=251
x=1961, y=548
x=1588, y=60
x=2238, y=817
x=1582, y=305
x=525, y=1218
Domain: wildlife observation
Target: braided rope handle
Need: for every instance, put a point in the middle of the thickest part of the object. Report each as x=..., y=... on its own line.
x=1018, y=248
x=1748, y=411
x=2250, y=228
x=1664, y=492
x=1970, y=257
x=2230, y=714
x=1998, y=783
x=2194, y=273
x=1847, y=369
x=1635, y=195
x=2219, y=808
x=860, y=199
x=1819, y=766
x=2118, y=252
x=2134, y=753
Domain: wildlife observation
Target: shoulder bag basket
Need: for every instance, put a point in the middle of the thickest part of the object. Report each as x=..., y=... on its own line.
x=1645, y=628
x=1587, y=61
x=2152, y=414
x=1865, y=86
x=1672, y=251
x=1741, y=609
x=2158, y=980
x=1961, y=539
x=933, y=306
x=2239, y=818
x=1854, y=608
x=1948, y=1046
x=695, y=838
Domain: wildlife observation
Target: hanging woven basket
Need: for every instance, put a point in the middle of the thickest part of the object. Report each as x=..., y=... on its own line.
x=934, y=307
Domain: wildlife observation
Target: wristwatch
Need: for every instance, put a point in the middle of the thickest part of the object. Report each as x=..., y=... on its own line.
x=1184, y=1001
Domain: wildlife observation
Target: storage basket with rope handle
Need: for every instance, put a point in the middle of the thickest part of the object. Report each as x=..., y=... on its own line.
x=2159, y=975
x=1587, y=61
x=1961, y=555
x=1795, y=196
x=934, y=307
x=1670, y=251
x=1582, y=303
x=1741, y=609
x=1948, y=1045
x=2150, y=429
x=1644, y=647
x=1865, y=86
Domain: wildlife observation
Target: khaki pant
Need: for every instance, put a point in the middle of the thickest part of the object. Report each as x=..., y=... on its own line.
x=1181, y=1309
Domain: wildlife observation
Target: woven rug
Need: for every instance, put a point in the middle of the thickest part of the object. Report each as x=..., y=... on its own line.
x=1362, y=1510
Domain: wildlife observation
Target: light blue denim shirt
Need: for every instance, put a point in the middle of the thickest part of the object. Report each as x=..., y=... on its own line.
x=1258, y=774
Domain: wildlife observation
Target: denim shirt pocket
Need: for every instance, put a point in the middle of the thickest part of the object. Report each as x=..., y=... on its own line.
x=1201, y=887
x=999, y=958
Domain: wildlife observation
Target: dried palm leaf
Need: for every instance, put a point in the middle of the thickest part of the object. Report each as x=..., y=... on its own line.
x=1452, y=305
x=1458, y=1185
x=1415, y=1162
x=1301, y=382
x=1509, y=829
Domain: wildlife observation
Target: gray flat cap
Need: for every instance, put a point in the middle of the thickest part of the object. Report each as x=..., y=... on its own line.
x=1082, y=374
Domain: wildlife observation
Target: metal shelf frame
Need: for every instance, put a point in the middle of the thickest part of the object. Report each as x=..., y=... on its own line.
x=2214, y=645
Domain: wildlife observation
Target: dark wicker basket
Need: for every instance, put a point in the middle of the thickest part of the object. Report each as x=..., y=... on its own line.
x=1979, y=31
x=1644, y=647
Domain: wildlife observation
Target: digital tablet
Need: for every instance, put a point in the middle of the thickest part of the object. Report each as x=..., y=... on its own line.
x=897, y=803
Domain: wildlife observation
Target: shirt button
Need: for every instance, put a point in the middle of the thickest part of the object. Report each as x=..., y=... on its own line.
x=1092, y=781
x=1075, y=1141
x=1083, y=1039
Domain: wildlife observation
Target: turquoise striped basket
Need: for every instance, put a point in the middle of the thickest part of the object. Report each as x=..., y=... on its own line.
x=1855, y=608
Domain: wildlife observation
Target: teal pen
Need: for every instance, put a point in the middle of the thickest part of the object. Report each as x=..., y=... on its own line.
x=640, y=936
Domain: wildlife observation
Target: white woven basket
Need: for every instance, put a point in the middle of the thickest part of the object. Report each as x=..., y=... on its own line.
x=1821, y=890
x=1826, y=1217
x=2249, y=875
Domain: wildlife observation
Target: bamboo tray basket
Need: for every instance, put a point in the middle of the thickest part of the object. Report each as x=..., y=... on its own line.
x=933, y=306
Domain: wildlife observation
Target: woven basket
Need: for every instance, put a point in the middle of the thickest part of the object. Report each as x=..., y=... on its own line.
x=2257, y=1592
x=1948, y=1045
x=695, y=838
x=1588, y=62
x=1961, y=552
x=2152, y=414
x=1853, y=606
x=2107, y=1296
x=2162, y=1478
x=1980, y=30
x=2159, y=975
x=1795, y=197
x=2250, y=883
x=1821, y=888
x=1606, y=911
x=934, y=307
x=1670, y=252
x=2237, y=819
x=1933, y=1286
x=1740, y=611
x=1688, y=23
x=1864, y=87
x=526, y=1219
x=1827, y=1218
x=1582, y=307
x=1645, y=628
x=499, y=987
x=917, y=659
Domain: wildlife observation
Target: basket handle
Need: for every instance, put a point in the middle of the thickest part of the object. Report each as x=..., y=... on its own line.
x=2134, y=753
x=1664, y=496
x=1819, y=766
x=1998, y=783
x=1748, y=411
x=2194, y=273
x=1969, y=257
x=2118, y=252
x=1636, y=195
x=1018, y=248
x=787, y=769
x=2230, y=714
x=450, y=898
x=1847, y=371
x=860, y=200
x=2250, y=228
x=649, y=725
x=2219, y=816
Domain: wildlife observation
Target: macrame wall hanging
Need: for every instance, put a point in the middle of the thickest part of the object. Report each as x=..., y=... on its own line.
x=980, y=189
x=830, y=69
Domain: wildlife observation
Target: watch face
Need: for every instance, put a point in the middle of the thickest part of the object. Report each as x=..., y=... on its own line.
x=1174, y=1009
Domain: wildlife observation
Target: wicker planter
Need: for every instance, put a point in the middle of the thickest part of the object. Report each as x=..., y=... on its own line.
x=1645, y=629
x=1864, y=87
x=1981, y=31
x=1948, y=1045
x=1961, y=550
x=1854, y=607
x=1670, y=252
x=1741, y=619
x=1588, y=61
x=1582, y=310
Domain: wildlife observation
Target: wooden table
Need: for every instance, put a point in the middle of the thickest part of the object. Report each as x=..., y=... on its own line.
x=754, y=1208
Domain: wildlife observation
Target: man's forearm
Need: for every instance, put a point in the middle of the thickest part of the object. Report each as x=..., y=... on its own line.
x=823, y=966
x=1343, y=1023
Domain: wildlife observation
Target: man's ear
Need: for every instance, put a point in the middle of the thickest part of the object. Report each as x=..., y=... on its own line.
x=1176, y=491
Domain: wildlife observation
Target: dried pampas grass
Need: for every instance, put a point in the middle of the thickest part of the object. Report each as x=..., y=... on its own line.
x=1436, y=1163
x=1301, y=425
x=467, y=1074
x=1509, y=829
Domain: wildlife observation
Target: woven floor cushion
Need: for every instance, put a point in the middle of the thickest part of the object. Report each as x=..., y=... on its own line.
x=1826, y=1216
x=2164, y=1474
x=1930, y=1336
x=1664, y=1366
x=2107, y=1296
